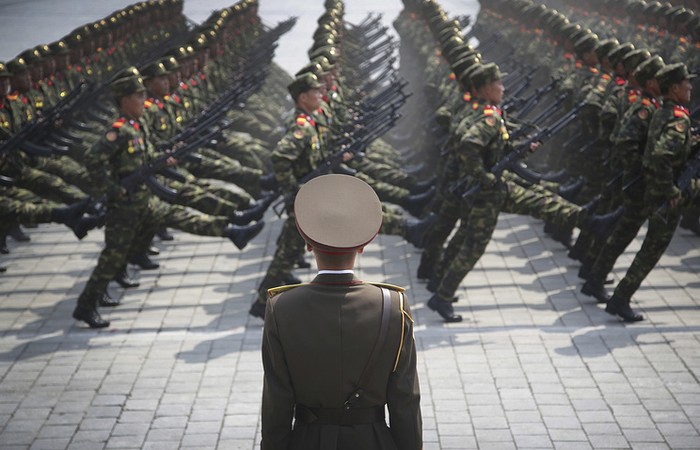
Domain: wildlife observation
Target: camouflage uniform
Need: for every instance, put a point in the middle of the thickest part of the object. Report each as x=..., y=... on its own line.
x=630, y=144
x=122, y=150
x=668, y=148
x=297, y=153
x=481, y=146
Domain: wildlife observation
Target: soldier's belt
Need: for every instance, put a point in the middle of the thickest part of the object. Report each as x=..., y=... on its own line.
x=338, y=416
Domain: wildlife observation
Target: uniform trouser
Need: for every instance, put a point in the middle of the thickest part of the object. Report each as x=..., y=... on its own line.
x=193, y=196
x=636, y=213
x=225, y=170
x=656, y=241
x=480, y=219
x=179, y=218
x=385, y=191
x=249, y=152
x=448, y=215
x=48, y=186
x=384, y=172
x=290, y=245
x=393, y=222
x=69, y=170
x=124, y=223
x=13, y=210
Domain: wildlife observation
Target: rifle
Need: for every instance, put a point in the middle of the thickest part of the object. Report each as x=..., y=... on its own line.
x=545, y=113
x=6, y=181
x=38, y=128
x=526, y=105
x=146, y=173
x=523, y=148
x=333, y=163
x=691, y=170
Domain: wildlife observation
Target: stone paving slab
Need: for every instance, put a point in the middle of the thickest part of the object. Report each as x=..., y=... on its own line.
x=535, y=365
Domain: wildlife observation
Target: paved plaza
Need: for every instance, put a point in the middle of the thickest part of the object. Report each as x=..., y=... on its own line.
x=535, y=364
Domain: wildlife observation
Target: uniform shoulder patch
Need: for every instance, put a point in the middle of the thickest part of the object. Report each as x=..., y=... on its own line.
x=279, y=289
x=111, y=135
x=298, y=134
x=119, y=123
x=392, y=287
x=680, y=111
x=490, y=120
x=643, y=114
x=680, y=127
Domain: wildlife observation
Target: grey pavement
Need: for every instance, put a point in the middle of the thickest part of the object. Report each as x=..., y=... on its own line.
x=535, y=364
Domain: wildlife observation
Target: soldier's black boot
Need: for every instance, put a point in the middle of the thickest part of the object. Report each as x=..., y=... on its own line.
x=602, y=225
x=257, y=309
x=302, y=263
x=241, y=235
x=3, y=269
x=619, y=307
x=89, y=314
x=444, y=308
x=249, y=215
x=422, y=186
x=415, y=204
x=70, y=215
x=124, y=280
x=290, y=278
x=268, y=182
x=153, y=250
x=164, y=235
x=571, y=190
x=18, y=234
x=143, y=261
x=425, y=268
x=87, y=223
x=3, y=245
x=691, y=222
x=596, y=290
x=415, y=230
x=106, y=300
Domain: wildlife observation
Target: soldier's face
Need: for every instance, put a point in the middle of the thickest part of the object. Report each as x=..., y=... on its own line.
x=159, y=86
x=4, y=86
x=132, y=105
x=683, y=91
x=493, y=92
x=310, y=100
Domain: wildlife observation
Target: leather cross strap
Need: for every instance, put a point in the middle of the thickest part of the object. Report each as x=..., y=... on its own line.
x=381, y=340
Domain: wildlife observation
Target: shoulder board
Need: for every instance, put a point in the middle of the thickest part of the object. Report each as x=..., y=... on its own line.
x=119, y=123
x=620, y=81
x=606, y=77
x=452, y=76
x=148, y=103
x=593, y=70
x=467, y=97
x=488, y=111
x=392, y=287
x=646, y=102
x=632, y=97
x=680, y=111
x=301, y=121
x=13, y=97
x=279, y=289
x=683, y=40
x=202, y=76
x=475, y=106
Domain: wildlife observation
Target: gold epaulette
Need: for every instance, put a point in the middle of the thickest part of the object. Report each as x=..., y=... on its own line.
x=279, y=289
x=393, y=287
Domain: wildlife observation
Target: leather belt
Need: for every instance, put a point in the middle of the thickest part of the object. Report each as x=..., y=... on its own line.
x=338, y=416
